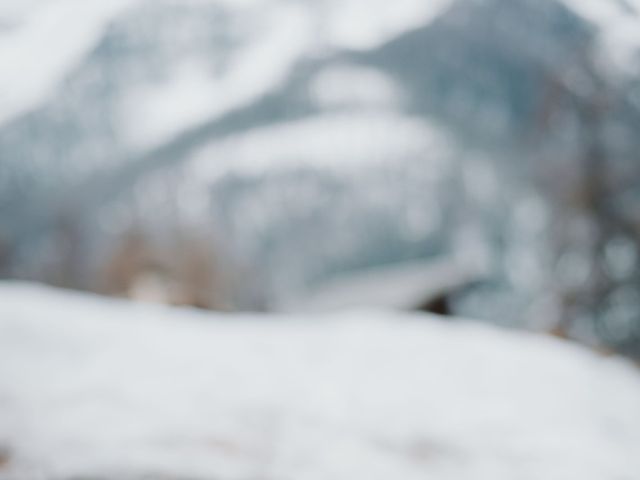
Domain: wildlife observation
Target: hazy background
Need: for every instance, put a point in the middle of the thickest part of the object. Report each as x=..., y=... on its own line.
x=476, y=158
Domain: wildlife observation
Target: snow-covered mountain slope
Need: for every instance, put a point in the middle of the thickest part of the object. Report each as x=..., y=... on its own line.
x=618, y=30
x=114, y=114
x=92, y=388
x=157, y=80
x=41, y=44
x=341, y=142
x=44, y=44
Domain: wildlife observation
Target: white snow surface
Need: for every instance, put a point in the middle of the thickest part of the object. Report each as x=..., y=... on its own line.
x=96, y=388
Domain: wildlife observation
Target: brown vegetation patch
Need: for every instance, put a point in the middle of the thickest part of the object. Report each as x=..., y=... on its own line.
x=5, y=457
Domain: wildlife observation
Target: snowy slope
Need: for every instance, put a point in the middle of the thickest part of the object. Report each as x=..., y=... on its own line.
x=91, y=388
x=44, y=42
x=618, y=30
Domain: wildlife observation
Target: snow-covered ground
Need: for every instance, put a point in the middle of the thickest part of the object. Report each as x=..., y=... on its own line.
x=95, y=388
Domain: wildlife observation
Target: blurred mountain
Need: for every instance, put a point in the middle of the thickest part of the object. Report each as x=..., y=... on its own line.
x=310, y=137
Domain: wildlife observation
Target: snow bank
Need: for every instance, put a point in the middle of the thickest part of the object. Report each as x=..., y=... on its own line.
x=93, y=388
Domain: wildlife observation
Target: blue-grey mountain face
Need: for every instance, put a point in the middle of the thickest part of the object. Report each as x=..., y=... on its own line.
x=307, y=156
x=496, y=55
x=478, y=67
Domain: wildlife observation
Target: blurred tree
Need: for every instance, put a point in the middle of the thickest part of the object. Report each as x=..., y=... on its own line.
x=594, y=242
